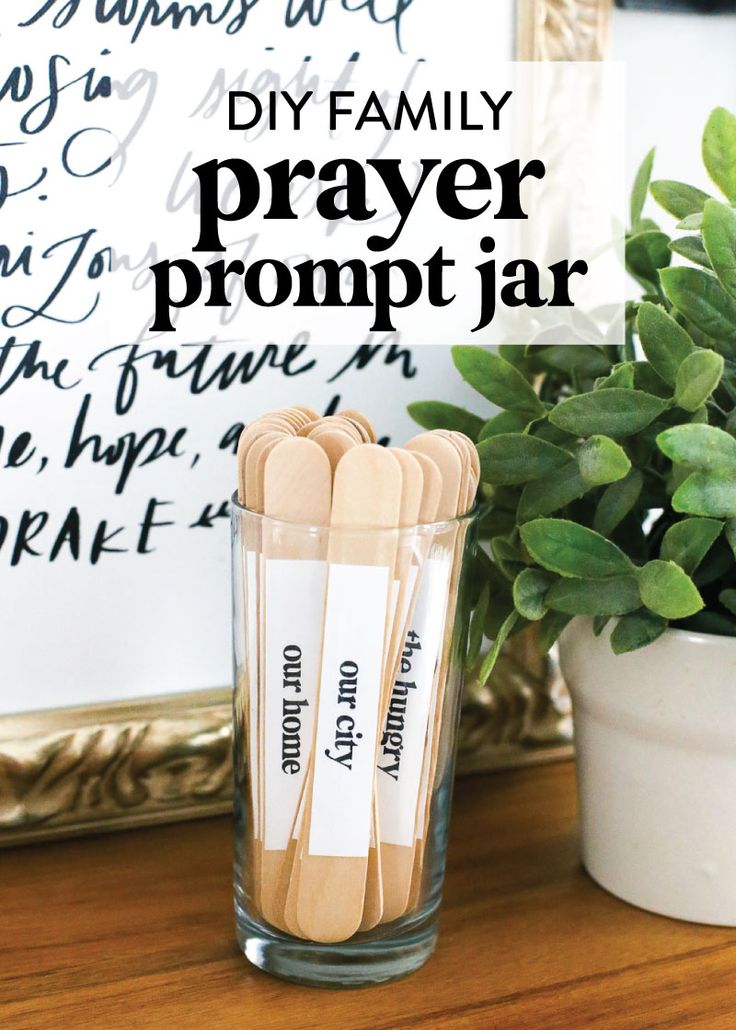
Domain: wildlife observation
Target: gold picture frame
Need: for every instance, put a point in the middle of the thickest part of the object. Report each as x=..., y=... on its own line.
x=104, y=767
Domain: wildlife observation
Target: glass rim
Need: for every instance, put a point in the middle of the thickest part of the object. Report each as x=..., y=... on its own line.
x=444, y=524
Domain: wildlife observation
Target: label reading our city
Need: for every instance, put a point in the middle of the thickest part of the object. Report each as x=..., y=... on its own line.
x=349, y=700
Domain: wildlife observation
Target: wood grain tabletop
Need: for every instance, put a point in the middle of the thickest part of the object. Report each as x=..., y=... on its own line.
x=136, y=930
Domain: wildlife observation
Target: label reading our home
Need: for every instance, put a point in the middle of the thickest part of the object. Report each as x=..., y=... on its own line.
x=401, y=748
x=349, y=700
x=294, y=593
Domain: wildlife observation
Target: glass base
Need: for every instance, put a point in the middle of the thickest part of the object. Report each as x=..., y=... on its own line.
x=356, y=963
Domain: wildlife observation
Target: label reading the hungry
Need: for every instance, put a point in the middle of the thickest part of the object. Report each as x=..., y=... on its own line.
x=403, y=741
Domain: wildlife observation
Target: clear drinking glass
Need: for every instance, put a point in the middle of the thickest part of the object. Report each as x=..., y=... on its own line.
x=348, y=674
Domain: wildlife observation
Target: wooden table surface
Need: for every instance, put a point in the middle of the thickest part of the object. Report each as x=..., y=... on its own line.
x=135, y=930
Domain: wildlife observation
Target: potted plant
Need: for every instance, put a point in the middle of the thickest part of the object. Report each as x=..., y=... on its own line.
x=610, y=482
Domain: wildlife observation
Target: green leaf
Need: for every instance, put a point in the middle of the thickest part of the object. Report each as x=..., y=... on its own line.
x=599, y=624
x=513, y=458
x=613, y=596
x=728, y=599
x=731, y=534
x=616, y=413
x=677, y=198
x=499, y=606
x=697, y=377
x=687, y=542
x=497, y=380
x=699, y=446
x=475, y=629
x=490, y=659
x=692, y=223
x=719, y=239
x=616, y=502
x=515, y=354
x=636, y=630
x=664, y=341
x=707, y=493
x=570, y=549
x=668, y=591
x=622, y=377
x=530, y=587
x=438, y=415
x=543, y=496
x=546, y=431
x=719, y=150
x=716, y=565
x=646, y=379
x=506, y=557
x=702, y=300
x=641, y=186
x=646, y=253
x=602, y=461
x=550, y=629
x=503, y=422
x=691, y=247
x=580, y=360
x=711, y=622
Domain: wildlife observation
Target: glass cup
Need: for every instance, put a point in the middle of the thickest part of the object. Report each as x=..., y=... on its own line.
x=348, y=648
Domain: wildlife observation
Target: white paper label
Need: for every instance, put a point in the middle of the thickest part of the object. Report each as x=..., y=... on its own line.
x=349, y=700
x=294, y=599
x=251, y=665
x=401, y=750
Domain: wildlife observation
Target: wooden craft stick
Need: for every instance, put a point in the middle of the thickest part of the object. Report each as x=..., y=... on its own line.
x=442, y=748
x=334, y=422
x=466, y=496
x=292, y=866
x=308, y=414
x=299, y=416
x=472, y=478
x=362, y=422
x=251, y=436
x=250, y=433
x=297, y=491
x=255, y=463
x=431, y=488
x=471, y=466
x=408, y=702
x=445, y=456
x=335, y=833
x=334, y=442
x=246, y=695
x=404, y=581
x=407, y=726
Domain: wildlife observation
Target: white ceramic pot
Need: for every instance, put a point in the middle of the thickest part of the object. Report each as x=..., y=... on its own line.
x=655, y=736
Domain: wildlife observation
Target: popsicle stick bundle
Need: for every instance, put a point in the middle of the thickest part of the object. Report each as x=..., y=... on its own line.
x=349, y=593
